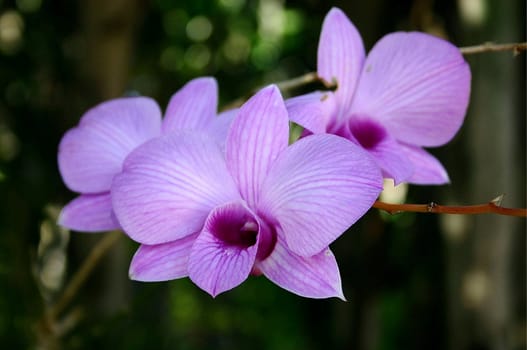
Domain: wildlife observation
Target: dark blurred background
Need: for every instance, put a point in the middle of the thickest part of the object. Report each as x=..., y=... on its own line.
x=412, y=281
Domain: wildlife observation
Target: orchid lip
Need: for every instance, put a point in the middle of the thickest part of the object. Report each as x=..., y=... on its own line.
x=243, y=229
x=237, y=233
x=367, y=132
x=267, y=240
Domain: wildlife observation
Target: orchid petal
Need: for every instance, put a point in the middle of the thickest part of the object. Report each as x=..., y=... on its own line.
x=162, y=262
x=257, y=135
x=394, y=162
x=340, y=56
x=311, y=277
x=417, y=86
x=91, y=154
x=219, y=127
x=312, y=111
x=318, y=188
x=428, y=170
x=229, y=114
x=168, y=187
x=193, y=107
x=89, y=213
x=218, y=261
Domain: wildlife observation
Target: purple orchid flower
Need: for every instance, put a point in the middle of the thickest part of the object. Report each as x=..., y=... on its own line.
x=260, y=206
x=411, y=91
x=92, y=153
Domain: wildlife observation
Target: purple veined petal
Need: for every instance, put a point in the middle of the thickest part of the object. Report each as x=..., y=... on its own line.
x=169, y=185
x=390, y=157
x=162, y=262
x=312, y=111
x=427, y=169
x=257, y=135
x=317, y=276
x=219, y=127
x=193, y=107
x=317, y=189
x=91, y=154
x=224, y=252
x=340, y=56
x=385, y=150
x=417, y=86
x=89, y=213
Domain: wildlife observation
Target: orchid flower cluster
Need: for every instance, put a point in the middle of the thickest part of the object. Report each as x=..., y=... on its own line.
x=218, y=198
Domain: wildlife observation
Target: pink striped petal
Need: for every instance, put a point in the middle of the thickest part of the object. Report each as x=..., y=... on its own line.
x=162, y=262
x=220, y=259
x=91, y=154
x=318, y=188
x=89, y=213
x=385, y=150
x=168, y=187
x=220, y=125
x=390, y=157
x=340, y=56
x=317, y=276
x=312, y=111
x=257, y=135
x=417, y=86
x=428, y=170
x=193, y=107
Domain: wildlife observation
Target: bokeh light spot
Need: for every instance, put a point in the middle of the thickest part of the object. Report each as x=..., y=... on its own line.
x=172, y=58
x=11, y=31
x=232, y=5
x=473, y=12
x=197, y=56
x=29, y=5
x=174, y=22
x=199, y=28
x=9, y=144
x=237, y=48
x=293, y=22
x=264, y=54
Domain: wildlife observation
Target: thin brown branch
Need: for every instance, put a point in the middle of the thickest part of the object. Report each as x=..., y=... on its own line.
x=302, y=80
x=516, y=48
x=83, y=273
x=312, y=77
x=492, y=207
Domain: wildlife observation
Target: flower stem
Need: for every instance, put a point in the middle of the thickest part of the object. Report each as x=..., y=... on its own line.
x=516, y=48
x=312, y=77
x=80, y=276
x=492, y=207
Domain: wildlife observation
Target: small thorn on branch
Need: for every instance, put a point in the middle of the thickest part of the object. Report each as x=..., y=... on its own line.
x=497, y=201
x=430, y=207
